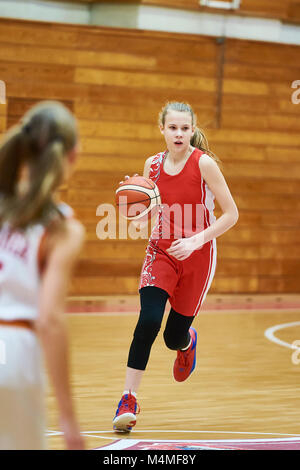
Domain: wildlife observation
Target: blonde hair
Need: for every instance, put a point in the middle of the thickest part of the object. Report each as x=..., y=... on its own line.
x=40, y=142
x=199, y=139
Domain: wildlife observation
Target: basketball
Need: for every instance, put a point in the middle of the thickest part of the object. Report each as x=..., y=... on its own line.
x=137, y=197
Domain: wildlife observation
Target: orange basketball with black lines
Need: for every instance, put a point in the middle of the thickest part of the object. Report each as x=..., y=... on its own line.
x=136, y=197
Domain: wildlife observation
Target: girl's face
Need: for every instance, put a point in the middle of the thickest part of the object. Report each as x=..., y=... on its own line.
x=178, y=131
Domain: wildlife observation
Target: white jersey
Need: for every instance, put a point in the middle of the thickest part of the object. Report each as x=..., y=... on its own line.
x=20, y=274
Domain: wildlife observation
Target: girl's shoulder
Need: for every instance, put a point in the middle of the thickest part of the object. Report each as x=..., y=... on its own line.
x=155, y=164
x=65, y=210
x=206, y=162
x=156, y=158
x=152, y=165
x=65, y=235
x=70, y=230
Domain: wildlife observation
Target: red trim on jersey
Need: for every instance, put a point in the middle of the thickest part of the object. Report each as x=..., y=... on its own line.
x=18, y=323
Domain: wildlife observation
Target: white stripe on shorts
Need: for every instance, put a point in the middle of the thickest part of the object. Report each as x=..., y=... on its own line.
x=210, y=275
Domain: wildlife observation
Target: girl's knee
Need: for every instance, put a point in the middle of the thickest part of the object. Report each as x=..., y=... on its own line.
x=172, y=341
x=147, y=329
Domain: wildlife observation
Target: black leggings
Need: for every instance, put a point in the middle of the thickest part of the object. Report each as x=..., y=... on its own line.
x=176, y=334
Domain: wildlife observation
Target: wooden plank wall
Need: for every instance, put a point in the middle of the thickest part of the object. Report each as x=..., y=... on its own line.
x=116, y=82
x=288, y=10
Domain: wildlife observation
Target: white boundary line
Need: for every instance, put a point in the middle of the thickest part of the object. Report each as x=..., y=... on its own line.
x=269, y=334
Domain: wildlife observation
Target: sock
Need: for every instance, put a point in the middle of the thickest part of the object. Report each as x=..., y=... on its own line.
x=185, y=349
x=126, y=392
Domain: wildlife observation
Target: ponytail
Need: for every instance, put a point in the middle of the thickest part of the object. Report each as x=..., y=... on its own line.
x=10, y=161
x=37, y=203
x=39, y=145
x=200, y=141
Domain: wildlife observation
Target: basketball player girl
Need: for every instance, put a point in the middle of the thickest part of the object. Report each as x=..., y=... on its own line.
x=39, y=244
x=177, y=268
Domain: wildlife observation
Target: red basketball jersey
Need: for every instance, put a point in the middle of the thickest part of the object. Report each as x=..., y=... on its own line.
x=187, y=208
x=187, y=202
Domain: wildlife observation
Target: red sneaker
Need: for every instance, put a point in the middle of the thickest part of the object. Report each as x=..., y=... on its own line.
x=126, y=412
x=186, y=360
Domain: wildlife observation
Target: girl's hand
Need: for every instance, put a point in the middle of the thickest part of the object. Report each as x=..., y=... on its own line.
x=127, y=177
x=182, y=248
x=72, y=436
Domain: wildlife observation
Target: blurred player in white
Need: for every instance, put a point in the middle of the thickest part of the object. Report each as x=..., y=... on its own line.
x=39, y=244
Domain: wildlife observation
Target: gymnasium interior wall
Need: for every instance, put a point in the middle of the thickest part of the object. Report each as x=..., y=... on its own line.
x=116, y=80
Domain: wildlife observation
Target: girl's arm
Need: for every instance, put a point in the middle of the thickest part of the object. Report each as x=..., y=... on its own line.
x=147, y=167
x=64, y=248
x=217, y=184
x=215, y=180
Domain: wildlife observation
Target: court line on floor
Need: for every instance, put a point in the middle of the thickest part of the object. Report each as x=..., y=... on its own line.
x=269, y=334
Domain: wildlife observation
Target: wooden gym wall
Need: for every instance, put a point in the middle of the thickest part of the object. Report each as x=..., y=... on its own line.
x=286, y=10
x=116, y=81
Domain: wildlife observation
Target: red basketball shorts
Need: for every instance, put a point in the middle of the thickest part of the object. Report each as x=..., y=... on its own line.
x=187, y=282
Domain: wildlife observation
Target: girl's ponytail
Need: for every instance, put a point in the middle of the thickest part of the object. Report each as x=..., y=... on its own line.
x=39, y=145
x=45, y=175
x=10, y=161
x=200, y=141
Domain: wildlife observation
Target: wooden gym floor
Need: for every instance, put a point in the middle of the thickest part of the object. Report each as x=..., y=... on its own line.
x=245, y=384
